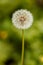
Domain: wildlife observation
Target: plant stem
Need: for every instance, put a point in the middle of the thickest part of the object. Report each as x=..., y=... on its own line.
x=22, y=60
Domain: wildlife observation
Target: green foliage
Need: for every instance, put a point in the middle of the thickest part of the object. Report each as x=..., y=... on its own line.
x=8, y=6
x=10, y=37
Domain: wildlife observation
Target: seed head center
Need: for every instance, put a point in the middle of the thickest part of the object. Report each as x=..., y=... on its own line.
x=22, y=19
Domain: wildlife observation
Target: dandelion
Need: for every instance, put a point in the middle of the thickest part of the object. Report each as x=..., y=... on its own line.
x=22, y=19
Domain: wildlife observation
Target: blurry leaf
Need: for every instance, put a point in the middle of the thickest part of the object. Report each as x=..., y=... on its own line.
x=5, y=51
x=28, y=59
x=39, y=25
x=7, y=6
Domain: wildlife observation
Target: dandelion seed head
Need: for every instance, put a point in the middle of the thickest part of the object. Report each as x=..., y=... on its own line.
x=22, y=19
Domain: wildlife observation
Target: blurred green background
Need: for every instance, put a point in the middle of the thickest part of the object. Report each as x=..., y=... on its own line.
x=10, y=37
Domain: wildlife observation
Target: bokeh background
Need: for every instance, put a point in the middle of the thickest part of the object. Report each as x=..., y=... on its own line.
x=10, y=37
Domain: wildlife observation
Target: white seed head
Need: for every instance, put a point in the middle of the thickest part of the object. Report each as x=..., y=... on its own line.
x=22, y=19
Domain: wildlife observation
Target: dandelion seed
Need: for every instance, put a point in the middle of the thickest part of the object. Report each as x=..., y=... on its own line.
x=22, y=19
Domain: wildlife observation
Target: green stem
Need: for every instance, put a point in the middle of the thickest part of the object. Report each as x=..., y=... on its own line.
x=22, y=60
